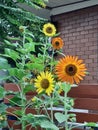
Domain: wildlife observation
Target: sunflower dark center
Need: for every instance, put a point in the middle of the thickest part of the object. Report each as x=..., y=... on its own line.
x=57, y=43
x=49, y=30
x=45, y=83
x=71, y=70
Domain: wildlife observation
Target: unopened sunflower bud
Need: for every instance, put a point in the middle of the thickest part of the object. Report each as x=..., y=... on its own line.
x=34, y=99
x=21, y=28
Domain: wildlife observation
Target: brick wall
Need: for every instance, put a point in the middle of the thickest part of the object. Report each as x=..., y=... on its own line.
x=79, y=30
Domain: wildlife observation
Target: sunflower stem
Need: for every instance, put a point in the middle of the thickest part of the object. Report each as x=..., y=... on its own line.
x=22, y=94
x=44, y=53
x=52, y=60
x=46, y=112
x=51, y=105
x=65, y=110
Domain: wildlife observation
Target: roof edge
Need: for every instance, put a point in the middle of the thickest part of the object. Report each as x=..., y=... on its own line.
x=72, y=7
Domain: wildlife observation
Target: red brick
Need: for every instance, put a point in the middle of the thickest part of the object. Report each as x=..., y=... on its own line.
x=92, y=48
x=88, y=27
x=93, y=56
x=93, y=14
x=89, y=60
x=80, y=53
x=96, y=61
x=89, y=77
x=84, y=40
x=72, y=38
x=84, y=32
x=93, y=22
x=89, y=18
x=72, y=30
x=80, y=36
x=76, y=33
x=84, y=24
x=92, y=65
x=80, y=29
x=93, y=31
x=89, y=35
x=72, y=46
x=68, y=34
x=84, y=49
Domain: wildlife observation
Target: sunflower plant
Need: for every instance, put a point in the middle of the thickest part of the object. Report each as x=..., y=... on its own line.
x=46, y=77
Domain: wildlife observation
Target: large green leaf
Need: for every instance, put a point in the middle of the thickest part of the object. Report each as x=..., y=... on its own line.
x=9, y=44
x=18, y=112
x=60, y=117
x=12, y=54
x=91, y=124
x=41, y=120
x=16, y=100
x=19, y=73
x=28, y=88
x=29, y=118
x=66, y=87
x=37, y=66
x=4, y=63
x=3, y=108
x=30, y=46
x=2, y=92
x=48, y=125
x=4, y=75
x=3, y=124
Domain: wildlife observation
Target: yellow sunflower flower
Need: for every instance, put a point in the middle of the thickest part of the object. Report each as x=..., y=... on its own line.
x=44, y=82
x=70, y=69
x=49, y=29
x=57, y=43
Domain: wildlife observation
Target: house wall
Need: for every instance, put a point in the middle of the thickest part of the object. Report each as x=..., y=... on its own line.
x=79, y=30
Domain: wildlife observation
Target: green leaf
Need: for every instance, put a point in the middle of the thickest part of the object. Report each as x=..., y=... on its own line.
x=72, y=115
x=3, y=124
x=4, y=75
x=66, y=87
x=30, y=46
x=18, y=112
x=48, y=125
x=10, y=44
x=29, y=118
x=12, y=54
x=19, y=73
x=29, y=39
x=35, y=65
x=4, y=63
x=91, y=124
x=28, y=88
x=3, y=108
x=2, y=92
x=16, y=100
x=60, y=117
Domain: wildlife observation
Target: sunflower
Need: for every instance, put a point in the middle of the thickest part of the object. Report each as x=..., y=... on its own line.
x=44, y=82
x=70, y=69
x=49, y=29
x=57, y=43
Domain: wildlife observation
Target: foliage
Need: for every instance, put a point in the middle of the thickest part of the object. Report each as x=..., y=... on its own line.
x=12, y=15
